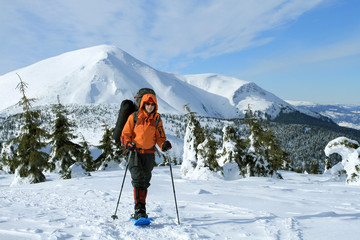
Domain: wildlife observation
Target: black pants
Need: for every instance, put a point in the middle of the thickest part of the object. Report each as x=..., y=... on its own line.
x=140, y=166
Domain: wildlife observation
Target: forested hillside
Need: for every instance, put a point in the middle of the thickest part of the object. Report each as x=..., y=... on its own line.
x=304, y=143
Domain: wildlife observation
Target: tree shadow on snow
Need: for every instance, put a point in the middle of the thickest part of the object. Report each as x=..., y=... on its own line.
x=330, y=214
x=198, y=222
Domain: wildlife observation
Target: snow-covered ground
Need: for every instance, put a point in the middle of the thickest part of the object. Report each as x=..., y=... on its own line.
x=298, y=207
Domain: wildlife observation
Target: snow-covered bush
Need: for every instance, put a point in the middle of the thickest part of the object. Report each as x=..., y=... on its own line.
x=337, y=172
x=7, y=156
x=112, y=164
x=349, y=150
x=78, y=170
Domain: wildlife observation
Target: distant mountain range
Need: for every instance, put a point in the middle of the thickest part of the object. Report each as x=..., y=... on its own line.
x=343, y=115
x=106, y=75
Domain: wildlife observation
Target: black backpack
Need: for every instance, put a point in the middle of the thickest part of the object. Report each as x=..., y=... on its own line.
x=127, y=107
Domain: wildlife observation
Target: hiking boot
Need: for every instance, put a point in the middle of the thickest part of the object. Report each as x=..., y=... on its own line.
x=139, y=213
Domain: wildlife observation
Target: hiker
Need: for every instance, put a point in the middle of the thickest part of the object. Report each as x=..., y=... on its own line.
x=139, y=136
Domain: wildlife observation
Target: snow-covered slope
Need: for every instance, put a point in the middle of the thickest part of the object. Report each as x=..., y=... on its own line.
x=299, y=207
x=106, y=74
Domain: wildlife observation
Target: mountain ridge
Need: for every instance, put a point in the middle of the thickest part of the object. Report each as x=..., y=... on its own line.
x=107, y=74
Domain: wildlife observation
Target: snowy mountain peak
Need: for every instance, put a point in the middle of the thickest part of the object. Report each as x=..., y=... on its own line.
x=257, y=98
x=92, y=75
x=107, y=74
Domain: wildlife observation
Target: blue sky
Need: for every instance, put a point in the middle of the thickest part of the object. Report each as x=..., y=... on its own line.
x=298, y=50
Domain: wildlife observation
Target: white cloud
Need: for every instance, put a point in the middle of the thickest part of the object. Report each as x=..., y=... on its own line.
x=153, y=31
x=299, y=57
x=221, y=26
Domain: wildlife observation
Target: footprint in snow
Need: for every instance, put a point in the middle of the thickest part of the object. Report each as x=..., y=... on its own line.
x=202, y=191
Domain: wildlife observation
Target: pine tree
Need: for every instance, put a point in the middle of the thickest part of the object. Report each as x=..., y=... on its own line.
x=30, y=161
x=233, y=153
x=64, y=151
x=207, y=153
x=110, y=151
x=86, y=157
x=194, y=135
x=168, y=159
x=198, y=132
x=174, y=160
x=200, y=147
x=277, y=158
x=265, y=156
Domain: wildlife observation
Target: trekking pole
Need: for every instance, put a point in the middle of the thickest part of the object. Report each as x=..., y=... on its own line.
x=172, y=180
x=122, y=185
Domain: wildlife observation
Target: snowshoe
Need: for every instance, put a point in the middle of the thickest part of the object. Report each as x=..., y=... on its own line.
x=141, y=221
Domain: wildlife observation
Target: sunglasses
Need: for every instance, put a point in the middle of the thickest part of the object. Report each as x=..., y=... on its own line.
x=151, y=104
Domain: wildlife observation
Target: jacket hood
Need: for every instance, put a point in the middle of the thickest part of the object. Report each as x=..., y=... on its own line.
x=146, y=98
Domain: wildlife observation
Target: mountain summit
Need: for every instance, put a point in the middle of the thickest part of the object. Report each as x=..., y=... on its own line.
x=106, y=74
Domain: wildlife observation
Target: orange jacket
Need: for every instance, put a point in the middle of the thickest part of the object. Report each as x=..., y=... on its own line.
x=145, y=135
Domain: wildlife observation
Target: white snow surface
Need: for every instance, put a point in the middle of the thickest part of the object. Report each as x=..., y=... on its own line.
x=300, y=207
x=106, y=74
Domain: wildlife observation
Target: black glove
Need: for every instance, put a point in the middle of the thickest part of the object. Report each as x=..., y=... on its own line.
x=130, y=146
x=166, y=146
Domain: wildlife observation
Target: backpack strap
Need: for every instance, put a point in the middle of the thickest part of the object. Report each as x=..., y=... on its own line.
x=135, y=117
x=157, y=119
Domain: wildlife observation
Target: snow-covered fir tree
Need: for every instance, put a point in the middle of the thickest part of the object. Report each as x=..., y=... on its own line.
x=277, y=158
x=87, y=159
x=111, y=153
x=232, y=153
x=193, y=133
x=264, y=155
x=206, y=153
x=29, y=160
x=199, y=158
x=64, y=152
